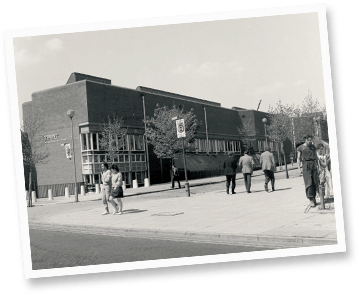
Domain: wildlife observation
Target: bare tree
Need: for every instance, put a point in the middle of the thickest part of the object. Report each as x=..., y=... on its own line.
x=247, y=132
x=33, y=146
x=112, y=136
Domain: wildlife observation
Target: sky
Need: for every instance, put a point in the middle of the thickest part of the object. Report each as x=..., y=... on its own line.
x=234, y=62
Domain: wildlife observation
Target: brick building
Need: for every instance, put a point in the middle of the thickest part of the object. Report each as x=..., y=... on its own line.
x=93, y=99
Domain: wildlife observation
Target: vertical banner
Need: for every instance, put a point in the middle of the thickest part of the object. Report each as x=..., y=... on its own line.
x=181, y=130
x=68, y=151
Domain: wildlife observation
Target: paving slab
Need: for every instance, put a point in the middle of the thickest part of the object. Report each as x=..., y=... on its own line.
x=260, y=217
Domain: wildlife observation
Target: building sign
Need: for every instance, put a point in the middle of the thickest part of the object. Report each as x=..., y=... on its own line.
x=181, y=130
x=52, y=138
x=68, y=151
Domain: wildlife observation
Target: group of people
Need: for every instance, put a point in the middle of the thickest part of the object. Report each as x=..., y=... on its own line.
x=316, y=169
x=112, y=191
x=246, y=164
x=313, y=163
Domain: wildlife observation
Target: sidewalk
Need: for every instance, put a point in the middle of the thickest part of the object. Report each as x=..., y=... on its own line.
x=129, y=192
x=276, y=219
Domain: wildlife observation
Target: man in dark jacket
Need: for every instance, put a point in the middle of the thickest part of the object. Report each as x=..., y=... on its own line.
x=230, y=166
x=175, y=176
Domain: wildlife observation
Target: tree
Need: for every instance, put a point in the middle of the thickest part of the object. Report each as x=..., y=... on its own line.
x=161, y=131
x=112, y=136
x=280, y=126
x=33, y=146
x=248, y=133
x=304, y=117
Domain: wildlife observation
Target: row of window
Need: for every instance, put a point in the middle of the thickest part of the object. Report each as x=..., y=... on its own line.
x=106, y=158
x=96, y=178
x=273, y=145
x=215, y=145
x=91, y=141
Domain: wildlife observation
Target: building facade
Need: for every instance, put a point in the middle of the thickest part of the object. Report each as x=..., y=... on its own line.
x=94, y=99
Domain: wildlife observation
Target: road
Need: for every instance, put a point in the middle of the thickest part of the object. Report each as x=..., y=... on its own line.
x=55, y=249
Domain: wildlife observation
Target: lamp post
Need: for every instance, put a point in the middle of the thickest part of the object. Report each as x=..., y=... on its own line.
x=264, y=120
x=71, y=113
x=181, y=132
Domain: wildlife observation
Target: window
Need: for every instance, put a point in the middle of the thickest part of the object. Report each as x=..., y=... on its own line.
x=133, y=158
x=120, y=158
x=88, y=138
x=90, y=157
x=125, y=143
x=96, y=178
x=94, y=141
x=139, y=142
x=126, y=178
x=99, y=140
x=132, y=142
x=122, y=142
x=84, y=159
x=126, y=158
x=84, y=142
x=102, y=158
x=142, y=158
x=140, y=176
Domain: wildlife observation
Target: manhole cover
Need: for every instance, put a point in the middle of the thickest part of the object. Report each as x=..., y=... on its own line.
x=167, y=214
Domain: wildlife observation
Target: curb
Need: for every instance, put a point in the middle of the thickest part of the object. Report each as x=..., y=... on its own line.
x=253, y=240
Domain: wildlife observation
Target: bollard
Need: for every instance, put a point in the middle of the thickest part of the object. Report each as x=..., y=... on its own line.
x=147, y=183
x=83, y=190
x=67, y=193
x=187, y=189
x=124, y=186
x=49, y=193
x=134, y=183
x=33, y=196
x=97, y=186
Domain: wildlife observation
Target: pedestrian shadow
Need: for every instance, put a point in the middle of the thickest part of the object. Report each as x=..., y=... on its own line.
x=128, y=211
x=281, y=189
x=329, y=200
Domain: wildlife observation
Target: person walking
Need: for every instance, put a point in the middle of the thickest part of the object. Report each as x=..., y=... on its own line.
x=307, y=152
x=117, y=191
x=230, y=166
x=106, y=188
x=268, y=166
x=175, y=176
x=246, y=163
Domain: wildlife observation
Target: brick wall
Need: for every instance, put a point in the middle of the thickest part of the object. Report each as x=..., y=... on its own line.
x=52, y=105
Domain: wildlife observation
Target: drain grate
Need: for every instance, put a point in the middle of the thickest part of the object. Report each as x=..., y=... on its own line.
x=167, y=214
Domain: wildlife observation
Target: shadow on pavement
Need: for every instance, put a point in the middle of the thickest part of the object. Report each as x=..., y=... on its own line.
x=281, y=189
x=328, y=200
x=133, y=211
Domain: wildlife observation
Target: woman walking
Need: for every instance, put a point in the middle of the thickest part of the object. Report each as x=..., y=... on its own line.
x=325, y=181
x=117, y=191
x=106, y=188
x=307, y=153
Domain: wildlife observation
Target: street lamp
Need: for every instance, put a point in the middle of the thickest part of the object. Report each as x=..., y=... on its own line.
x=264, y=120
x=71, y=113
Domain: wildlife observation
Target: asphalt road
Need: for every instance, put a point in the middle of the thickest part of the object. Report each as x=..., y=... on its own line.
x=54, y=249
